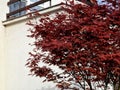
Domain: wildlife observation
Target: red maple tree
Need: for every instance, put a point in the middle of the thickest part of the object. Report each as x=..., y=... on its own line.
x=83, y=41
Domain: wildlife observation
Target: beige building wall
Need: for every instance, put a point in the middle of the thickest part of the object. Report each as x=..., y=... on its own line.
x=3, y=11
x=16, y=50
x=2, y=60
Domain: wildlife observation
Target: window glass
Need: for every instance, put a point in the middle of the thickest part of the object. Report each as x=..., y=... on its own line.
x=22, y=4
x=11, y=8
x=15, y=15
x=22, y=13
x=33, y=1
x=36, y=8
x=14, y=6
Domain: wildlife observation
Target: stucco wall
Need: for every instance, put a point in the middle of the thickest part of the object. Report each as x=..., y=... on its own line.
x=2, y=62
x=14, y=50
x=16, y=54
x=3, y=9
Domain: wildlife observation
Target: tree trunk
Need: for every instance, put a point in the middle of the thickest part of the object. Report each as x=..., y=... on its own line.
x=105, y=88
x=89, y=83
x=117, y=86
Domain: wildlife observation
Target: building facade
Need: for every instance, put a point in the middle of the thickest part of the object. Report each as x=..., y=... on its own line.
x=14, y=46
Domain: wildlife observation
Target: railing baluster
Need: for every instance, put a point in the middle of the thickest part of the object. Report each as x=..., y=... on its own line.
x=9, y=15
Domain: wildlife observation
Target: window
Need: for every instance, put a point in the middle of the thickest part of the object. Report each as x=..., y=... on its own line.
x=17, y=5
x=22, y=13
x=14, y=6
x=22, y=4
x=33, y=1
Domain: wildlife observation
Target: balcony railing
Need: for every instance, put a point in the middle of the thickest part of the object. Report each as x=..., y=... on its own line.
x=22, y=11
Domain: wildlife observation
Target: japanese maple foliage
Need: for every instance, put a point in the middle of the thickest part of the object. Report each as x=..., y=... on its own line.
x=83, y=41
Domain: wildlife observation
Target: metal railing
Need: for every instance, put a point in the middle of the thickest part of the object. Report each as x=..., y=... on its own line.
x=19, y=12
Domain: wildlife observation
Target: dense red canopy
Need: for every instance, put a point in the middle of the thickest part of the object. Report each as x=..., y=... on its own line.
x=83, y=41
